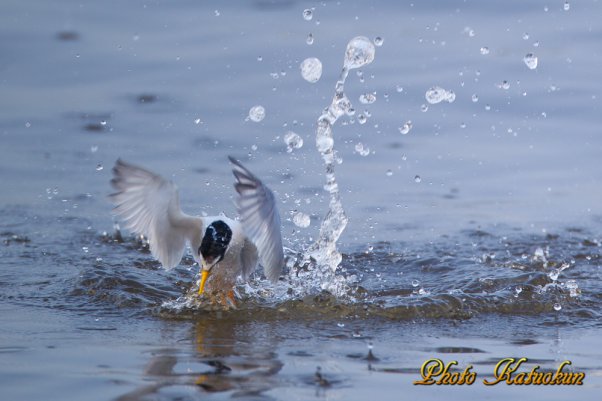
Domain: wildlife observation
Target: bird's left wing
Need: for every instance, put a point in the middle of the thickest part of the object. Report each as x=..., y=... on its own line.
x=260, y=219
x=150, y=205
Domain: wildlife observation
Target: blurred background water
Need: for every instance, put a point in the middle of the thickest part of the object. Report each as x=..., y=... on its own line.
x=474, y=236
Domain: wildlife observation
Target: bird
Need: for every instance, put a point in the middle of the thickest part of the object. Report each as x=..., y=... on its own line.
x=224, y=248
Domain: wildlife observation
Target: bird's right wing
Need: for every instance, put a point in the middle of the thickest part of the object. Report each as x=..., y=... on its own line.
x=149, y=205
x=260, y=219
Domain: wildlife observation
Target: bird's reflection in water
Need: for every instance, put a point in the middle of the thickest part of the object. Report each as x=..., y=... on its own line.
x=226, y=356
x=238, y=363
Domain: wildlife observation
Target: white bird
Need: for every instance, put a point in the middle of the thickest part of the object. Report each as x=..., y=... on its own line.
x=224, y=248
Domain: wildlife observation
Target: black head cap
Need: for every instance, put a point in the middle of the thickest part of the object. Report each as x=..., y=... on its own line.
x=215, y=242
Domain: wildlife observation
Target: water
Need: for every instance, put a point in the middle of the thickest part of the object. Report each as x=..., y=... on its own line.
x=530, y=61
x=311, y=69
x=469, y=244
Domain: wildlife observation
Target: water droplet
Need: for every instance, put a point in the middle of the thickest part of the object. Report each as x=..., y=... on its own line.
x=487, y=107
x=567, y=6
x=484, y=50
x=310, y=39
x=415, y=283
x=257, y=113
x=424, y=108
x=27, y=124
x=417, y=179
x=436, y=94
x=573, y=288
x=93, y=148
x=217, y=13
x=362, y=118
x=389, y=173
x=378, y=41
x=475, y=98
x=557, y=306
x=301, y=219
x=360, y=51
x=308, y=14
x=530, y=60
x=103, y=123
x=363, y=151
x=259, y=58
x=406, y=127
x=292, y=141
x=505, y=85
x=311, y=69
x=99, y=167
x=197, y=121
x=85, y=249
x=399, y=88
x=525, y=36
x=367, y=98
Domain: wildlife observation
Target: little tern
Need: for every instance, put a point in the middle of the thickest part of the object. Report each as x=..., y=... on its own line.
x=223, y=247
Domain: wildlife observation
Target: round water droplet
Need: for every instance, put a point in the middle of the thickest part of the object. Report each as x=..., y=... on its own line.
x=417, y=179
x=367, y=98
x=197, y=121
x=292, y=141
x=475, y=98
x=360, y=51
x=259, y=58
x=308, y=14
x=310, y=39
x=399, y=88
x=484, y=50
x=406, y=127
x=311, y=69
x=362, y=118
x=99, y=167
x=389, y=173
x=103, y=123
x=257, y=113
x=530, y=61
x=301, y=219
x=424, y=108
x=216, y=13
x=378, y=41
x=415, y=283
x=525, y=36
x=557, y=306
x=567, y=6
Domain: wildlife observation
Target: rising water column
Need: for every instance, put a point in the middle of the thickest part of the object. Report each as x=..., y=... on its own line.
x=360, y=51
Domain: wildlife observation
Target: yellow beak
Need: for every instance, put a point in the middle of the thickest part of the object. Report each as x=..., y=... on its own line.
x=204, y=275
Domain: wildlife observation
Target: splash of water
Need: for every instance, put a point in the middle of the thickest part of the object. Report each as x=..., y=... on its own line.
x=360, y=52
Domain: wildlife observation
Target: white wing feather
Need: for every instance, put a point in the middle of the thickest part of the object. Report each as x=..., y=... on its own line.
x=150, y=205
x=260, y=219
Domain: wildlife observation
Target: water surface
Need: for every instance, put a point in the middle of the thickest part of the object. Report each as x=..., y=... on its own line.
x=474, y=237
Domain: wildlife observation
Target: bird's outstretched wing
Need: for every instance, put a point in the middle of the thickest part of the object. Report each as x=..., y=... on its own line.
x=150, y=205
x=260, y=219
